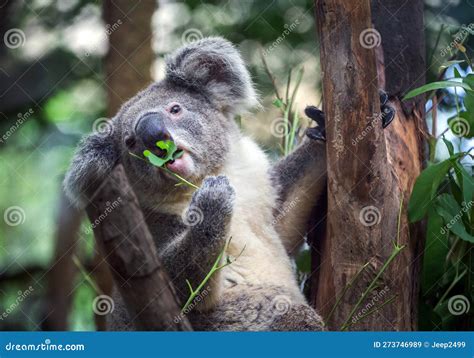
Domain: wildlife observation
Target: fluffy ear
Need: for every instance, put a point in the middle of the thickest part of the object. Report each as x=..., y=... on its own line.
x=95, y=157
x=214, y=67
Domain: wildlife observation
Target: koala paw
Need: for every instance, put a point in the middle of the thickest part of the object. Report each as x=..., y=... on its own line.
x=319, y=132
x=215, y=198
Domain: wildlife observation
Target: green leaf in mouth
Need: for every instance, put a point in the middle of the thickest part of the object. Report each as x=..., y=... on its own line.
x=171, y=153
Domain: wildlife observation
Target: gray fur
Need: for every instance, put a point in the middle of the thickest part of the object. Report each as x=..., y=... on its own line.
x=191, y=256
x=210, y=82
x=215, y=66
x=299, y=178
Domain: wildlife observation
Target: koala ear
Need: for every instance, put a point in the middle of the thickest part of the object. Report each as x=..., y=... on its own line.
x=214, y=67
x=94, y=159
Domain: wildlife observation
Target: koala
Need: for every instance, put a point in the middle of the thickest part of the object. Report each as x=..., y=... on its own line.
x=263, y=208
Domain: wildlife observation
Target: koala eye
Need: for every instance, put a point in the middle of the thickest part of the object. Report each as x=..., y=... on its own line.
x=175, y=109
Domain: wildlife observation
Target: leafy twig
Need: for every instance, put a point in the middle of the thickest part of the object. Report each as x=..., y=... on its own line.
x=346, y=288
x=396, y=250
x=216, y=267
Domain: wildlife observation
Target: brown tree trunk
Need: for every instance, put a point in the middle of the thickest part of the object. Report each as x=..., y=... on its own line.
x=127, y=70
x=370, y=170
x=130, y=56
x=60, y=277
x=127, y=245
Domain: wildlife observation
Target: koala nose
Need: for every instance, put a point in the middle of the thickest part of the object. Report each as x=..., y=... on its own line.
x=151, y=129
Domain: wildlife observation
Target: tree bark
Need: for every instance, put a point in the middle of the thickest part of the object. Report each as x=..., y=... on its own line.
x=130, y=56
x=127, y=245
x=60, y=277
x=370, y=170
x=127, y=70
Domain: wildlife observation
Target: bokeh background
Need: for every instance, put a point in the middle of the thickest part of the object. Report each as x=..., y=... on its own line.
x=63, y=73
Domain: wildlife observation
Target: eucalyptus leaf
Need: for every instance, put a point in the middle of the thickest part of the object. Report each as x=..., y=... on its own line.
x=434, y=86
x=170, y=149
x=425, y=188
x=436, y=249
x=449, y=209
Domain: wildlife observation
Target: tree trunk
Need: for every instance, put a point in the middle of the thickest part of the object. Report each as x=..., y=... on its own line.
x=370, y=170
x=130, y=56
x=60, y=277
x=127, y=70
x=127, y=245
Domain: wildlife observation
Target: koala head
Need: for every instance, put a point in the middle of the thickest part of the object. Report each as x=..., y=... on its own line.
x=205, y=86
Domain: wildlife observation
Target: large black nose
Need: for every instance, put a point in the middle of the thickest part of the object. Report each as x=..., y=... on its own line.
x=151, y=129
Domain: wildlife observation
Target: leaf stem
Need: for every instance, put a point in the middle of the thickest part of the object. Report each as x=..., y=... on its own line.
x=396, y=250
x=216, y=267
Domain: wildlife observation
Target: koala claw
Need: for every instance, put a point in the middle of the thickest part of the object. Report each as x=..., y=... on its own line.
x=319, y=132
x=216, y=196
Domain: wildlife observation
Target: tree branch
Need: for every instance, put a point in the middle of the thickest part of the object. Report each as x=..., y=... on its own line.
x=127, y=245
